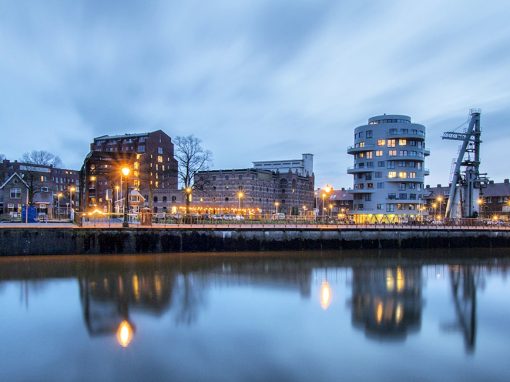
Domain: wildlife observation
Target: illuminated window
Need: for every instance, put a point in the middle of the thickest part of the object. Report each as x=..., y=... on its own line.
x=379, y=153
x=362, y=144
x=402, y=174
x=412, y=175
x=136, y=165
x=402, y=142
x=160, y=159
x=392, y=142
x=392, y=153
x=370, y=154
x=392, y=174
x=381, y=142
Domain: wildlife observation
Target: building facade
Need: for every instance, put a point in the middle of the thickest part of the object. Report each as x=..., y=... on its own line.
x=494, y=201
x=153, y=174
x=51, y=190
x=389, y=157
x=303, y=166
x=254, y=191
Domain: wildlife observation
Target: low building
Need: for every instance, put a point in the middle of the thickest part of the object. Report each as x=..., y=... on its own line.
x=153, y=172
x=303, y=166
x=253, y=190
x=494, y=200
x=50, y=189
x=341, y=201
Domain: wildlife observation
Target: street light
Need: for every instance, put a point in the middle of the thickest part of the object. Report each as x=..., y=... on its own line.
x=59, y=195
x=325, y=192
x=71, y=190
x=276, y=204
x=240, y=195
x=480, y=204
x=440, y=201
x=125, y=171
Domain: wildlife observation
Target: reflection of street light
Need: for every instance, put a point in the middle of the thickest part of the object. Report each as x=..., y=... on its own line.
x=71, y=190
x=276, y=204
x=124, y=334
x=125, y=171
x=434, y=206
x=325, y=295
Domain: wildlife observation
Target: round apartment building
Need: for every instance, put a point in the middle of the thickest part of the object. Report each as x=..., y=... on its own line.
x=389, y=157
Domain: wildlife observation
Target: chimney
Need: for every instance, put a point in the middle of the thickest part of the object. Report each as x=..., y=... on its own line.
x=439, y=185
x=506, y=181
x=491, y=182
x=427, y=186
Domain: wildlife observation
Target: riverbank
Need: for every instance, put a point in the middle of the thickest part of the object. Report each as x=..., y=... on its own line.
x=15, y=241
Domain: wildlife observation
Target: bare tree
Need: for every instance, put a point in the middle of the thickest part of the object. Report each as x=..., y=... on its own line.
x=41, y=157
x=192, y=158
x=2, y=157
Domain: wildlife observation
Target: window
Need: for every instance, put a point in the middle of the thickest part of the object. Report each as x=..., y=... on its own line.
x=390, y=208
x=369, y=134
x=370, y=154
x=160, y=150
x=402, y=174
x=362, y=144
x=379, y=153
x=392, y=196
x=164, y=199
x=392, y=153
x=368, y=197
x=381, y=142
x=381, y=163
x=402, y=186
x=392, y=174
x=412, y=175
x=379, y=206
x=15, y=193
x=370, y=164
x=160, y=159
x=141, y=148
x=402, y=196
x=391, y=164
x=403, y=153
x=380, y=185
x=392, y=142
x=378, y=174
x=402, y=142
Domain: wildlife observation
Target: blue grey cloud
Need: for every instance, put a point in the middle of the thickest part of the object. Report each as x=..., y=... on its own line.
x=254, y=79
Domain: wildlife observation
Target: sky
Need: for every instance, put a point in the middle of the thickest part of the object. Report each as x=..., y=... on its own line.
x=254, y=80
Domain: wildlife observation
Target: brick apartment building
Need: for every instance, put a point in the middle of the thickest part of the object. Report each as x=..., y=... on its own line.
x=262, y=191
x=152, y=181
x=494, y=199
x=45, y=187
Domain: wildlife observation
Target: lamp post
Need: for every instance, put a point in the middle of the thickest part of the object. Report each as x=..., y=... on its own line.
x=125, y=171
x=440, y=201
x=325, y=192
x=71, y=190
x=188, y=191
x=276, y=204
x=59, y=195
x=117, y=207
x=480, y=204
x=240, y=195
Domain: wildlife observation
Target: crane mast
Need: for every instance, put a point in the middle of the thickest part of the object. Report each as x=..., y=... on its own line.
x=467, y=182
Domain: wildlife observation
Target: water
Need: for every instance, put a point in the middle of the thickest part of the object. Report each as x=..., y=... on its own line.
x=257, y=317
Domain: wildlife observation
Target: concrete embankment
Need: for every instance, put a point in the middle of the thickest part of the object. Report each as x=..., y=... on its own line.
x=55, y=241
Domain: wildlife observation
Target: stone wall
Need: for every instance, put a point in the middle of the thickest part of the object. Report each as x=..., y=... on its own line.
x=31, y=241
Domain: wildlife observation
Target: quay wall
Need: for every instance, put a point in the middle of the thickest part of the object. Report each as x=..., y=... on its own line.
x=60, y=241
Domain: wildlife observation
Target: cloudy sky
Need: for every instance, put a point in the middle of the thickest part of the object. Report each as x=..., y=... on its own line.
x=255, y=80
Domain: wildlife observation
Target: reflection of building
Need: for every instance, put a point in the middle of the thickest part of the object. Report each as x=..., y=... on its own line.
x=108, y=298
x=153, y=170
x=387, y=302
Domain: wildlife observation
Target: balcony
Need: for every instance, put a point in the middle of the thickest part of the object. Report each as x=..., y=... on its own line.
x=357, y=170
x=362, y=191
x=355, y=150
x=408, y=134
x=404, y=180
x=426, y=152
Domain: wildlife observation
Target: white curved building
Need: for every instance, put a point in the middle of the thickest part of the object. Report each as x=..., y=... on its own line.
x=389, y=157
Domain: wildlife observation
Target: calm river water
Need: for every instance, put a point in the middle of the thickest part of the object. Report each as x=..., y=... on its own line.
x=310, y=316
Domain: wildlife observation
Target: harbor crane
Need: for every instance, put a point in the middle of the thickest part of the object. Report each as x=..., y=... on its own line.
x=467, y=182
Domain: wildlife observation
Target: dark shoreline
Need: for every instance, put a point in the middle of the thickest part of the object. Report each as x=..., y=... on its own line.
x=90, y=241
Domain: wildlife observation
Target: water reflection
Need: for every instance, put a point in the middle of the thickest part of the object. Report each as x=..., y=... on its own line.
x=387, y=301
x=464, y=281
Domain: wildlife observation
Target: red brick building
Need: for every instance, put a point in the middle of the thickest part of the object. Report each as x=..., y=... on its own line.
x=152, y=180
